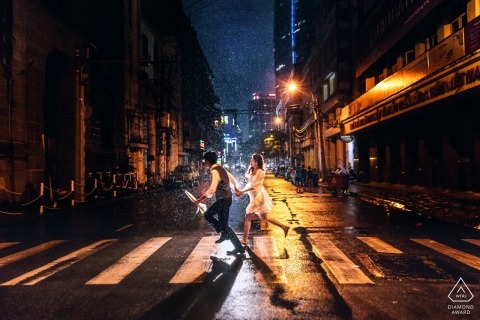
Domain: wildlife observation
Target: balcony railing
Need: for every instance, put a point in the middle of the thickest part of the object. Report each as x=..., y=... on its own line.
x=450, y=50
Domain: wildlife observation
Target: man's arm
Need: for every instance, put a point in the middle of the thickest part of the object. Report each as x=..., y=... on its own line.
x=213, y=187
x=231, y=179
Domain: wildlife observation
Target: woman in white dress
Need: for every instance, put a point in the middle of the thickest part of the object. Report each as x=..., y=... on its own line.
x=260, y=202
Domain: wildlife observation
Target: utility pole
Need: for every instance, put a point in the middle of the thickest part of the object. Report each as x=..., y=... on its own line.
x=81, y=57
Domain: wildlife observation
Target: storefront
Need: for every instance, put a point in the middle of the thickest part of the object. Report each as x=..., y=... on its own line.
x=423, y=132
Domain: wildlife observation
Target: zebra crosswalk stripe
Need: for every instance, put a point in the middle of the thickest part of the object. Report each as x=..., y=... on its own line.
x=123, y=267
x=266, y=249
x=29, y=252
x=124, y=228
x=39, y=274
x=194, y=269
x=379, y=245
x=7, y=244
x=344, y=270
x=473, y=241
x=199, y=262
x=466, y=258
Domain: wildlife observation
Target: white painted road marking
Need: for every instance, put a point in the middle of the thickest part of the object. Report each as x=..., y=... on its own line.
x=344, y=270
x=379, y=245
x=29, y=252
x=53, y=267
x=7, y=244
x=473, y=241
x=194, y=269
x=466, y=258
x=199, y=262
x=266, y=249
x=124, y=228
x=123, y=267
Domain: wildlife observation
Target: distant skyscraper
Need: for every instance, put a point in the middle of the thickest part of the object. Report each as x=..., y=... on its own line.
x=231, y=134
x=293, y=34
x=262, y=114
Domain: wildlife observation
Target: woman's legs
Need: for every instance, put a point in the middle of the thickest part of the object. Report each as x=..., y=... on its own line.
x=246, y=227
x=284, y=227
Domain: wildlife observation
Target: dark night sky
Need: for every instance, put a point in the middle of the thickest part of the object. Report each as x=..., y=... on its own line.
x=237, y=39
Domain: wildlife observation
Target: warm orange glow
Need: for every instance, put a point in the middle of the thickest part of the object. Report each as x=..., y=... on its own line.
x=292, y=87
x=295, y=88
x=278, y=120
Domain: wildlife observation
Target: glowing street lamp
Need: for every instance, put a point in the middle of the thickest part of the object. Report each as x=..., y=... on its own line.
x=278, y=121
x=292, y=87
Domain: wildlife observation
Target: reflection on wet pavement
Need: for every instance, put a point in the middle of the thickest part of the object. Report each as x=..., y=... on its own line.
x=424, y=204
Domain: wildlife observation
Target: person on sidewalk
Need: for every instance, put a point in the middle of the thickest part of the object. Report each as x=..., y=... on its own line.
x=309, y=182
x=315, y=178
x=260, y=202
x=220, y=185
x=298, y=177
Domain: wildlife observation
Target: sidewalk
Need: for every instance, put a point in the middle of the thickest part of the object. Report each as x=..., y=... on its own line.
x=461, y=208
x=418, y=203
x=14, y=213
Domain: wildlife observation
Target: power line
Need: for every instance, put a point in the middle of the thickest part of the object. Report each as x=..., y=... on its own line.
x=201, y=8
x=192, y=5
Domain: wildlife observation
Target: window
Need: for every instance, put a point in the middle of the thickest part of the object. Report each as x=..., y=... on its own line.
x=330, y=86
x=432, y=41
x=459, y=23
x=325, y=92
x=409, y=56
x=332, y=83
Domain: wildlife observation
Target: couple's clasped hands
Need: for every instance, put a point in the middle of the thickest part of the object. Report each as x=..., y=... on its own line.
x=238, y=192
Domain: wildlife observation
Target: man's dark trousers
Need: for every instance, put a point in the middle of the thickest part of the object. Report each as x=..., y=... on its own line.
x=221, y=208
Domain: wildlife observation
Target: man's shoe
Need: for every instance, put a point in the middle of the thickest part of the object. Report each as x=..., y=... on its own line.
x=235, y=252
x=223, y=237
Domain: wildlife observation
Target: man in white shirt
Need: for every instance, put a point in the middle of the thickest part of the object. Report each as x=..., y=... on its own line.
x=220, y=186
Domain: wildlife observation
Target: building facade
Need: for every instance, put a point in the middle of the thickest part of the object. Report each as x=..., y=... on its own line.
x=330, y=74
x=394, y=86
x=417, y=81
x=294, y=36
x=262, y=111
x=99, y=90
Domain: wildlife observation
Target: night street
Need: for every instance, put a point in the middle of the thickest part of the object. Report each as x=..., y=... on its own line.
x=152, y=257
x=239, y=160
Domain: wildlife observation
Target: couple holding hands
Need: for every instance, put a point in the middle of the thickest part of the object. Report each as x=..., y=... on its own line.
x=260, y=202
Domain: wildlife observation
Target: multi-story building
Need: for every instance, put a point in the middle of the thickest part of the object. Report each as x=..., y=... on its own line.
x=96, y=88
x=417, y=84
x=177, y=86
x=232, y=137
x=263, y=122
x=294, y=35
x=395, y=85
x=329, y=74
x=262, y=112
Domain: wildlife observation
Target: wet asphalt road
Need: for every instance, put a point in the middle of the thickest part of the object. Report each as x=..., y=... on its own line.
x=412, y=285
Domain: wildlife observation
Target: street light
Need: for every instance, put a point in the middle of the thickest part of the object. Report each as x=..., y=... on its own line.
x=278, y=122
x=294, y=88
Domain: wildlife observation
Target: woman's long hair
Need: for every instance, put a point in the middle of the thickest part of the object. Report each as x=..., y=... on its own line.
x=259, y=159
